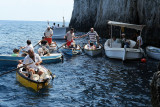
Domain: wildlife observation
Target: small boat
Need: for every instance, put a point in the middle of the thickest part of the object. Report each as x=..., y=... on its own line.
x=113, y=49
x=52, y=47
x=93, y=51
x=71, y=51
x=13, y=60
x=153, y=52
x=37, y=82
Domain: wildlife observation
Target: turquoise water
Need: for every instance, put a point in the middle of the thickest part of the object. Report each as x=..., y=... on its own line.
x=80, y=81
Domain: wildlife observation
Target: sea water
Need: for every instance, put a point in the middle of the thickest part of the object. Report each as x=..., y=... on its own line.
x=80, y=80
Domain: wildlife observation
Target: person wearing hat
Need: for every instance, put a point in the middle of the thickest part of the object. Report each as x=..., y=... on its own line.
x=48, y=35
x=125, y=42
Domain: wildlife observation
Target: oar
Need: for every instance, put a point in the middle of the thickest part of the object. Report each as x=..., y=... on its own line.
x=61, y=46
x=15, y=69
x=37, y=43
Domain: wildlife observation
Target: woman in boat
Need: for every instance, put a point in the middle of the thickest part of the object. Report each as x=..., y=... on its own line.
x=48, y=35
x=36, y=60
x=93, y=36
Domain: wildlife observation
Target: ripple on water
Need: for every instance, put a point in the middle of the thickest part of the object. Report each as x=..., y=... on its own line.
x=80, y=81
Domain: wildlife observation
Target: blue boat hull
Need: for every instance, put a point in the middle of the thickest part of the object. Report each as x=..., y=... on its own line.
x=70, y=51
x=12, y=60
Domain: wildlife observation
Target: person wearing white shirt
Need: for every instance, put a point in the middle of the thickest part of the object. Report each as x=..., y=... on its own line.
x=28, y=47
x=139, y=42
x=48, y=35
x=36, y=60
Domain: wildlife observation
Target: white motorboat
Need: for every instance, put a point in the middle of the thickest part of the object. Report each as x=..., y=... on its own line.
x=113, y=49
x=153, y=52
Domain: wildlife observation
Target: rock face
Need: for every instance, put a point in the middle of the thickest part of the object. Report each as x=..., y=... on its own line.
x=95, y=13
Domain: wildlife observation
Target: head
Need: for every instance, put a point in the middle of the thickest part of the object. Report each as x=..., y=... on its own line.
x=72, y=30
x=92, y=29
x=28, y=42
x=138, y=33
x=48, y=28
x=43, y=38
x=15, y=50
x=114, y=38
x=123, y=35
x=54, y=23
x=31, y=53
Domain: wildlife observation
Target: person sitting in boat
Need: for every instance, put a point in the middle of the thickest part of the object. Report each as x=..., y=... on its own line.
x=44, y=42
x=125, y=42
x=43, y=51
x=48, y=35
x=36, y=60
x=28, y=47
x=16, y=52
x=139, y=41
x=54, y=26
x=70, y=36
x=93, y=36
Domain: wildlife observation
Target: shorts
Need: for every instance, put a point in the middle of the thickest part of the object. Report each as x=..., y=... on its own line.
x=49, y=40
x=69, y=42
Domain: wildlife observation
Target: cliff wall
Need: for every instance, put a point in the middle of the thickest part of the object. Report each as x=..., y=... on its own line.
x=96, y=13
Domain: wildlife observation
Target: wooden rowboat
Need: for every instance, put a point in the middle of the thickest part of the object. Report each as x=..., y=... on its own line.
x=93, y=52
x=153, y=52
x=38, y=82
x=71, y=51
x=13, y=60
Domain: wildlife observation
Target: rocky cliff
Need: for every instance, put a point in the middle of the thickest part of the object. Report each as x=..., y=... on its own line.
x=95, y=13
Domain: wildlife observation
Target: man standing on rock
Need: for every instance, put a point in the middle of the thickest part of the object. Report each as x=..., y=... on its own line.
x=93, y=36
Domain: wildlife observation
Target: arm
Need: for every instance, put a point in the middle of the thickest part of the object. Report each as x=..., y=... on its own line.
x=39, y=60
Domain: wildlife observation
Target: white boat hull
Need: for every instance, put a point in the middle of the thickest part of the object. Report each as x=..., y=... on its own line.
x=123, y=53
x=153, y=52
x=93, y=52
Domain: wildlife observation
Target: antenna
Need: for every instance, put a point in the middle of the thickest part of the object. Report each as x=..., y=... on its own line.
x=63, y=22
x=48, y=22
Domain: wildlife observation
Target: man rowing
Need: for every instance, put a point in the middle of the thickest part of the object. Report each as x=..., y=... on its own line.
x=70, y=37
x=36, y=60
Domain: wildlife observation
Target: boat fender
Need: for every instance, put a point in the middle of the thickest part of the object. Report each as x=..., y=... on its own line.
x=143, y=60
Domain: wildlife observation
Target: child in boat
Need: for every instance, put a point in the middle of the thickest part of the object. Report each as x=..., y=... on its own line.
x=15, y=52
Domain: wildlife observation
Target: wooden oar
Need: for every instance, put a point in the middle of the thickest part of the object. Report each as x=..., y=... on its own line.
x=14, y=69
x=37, y=44
x=61, y=46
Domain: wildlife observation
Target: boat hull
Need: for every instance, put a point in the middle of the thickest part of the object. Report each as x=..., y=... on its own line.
x=71, y=51
x=35, y=85
x=92, y=52
x=153, y=52
x=13, y=60
x=59, y=33
x=123, y=53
